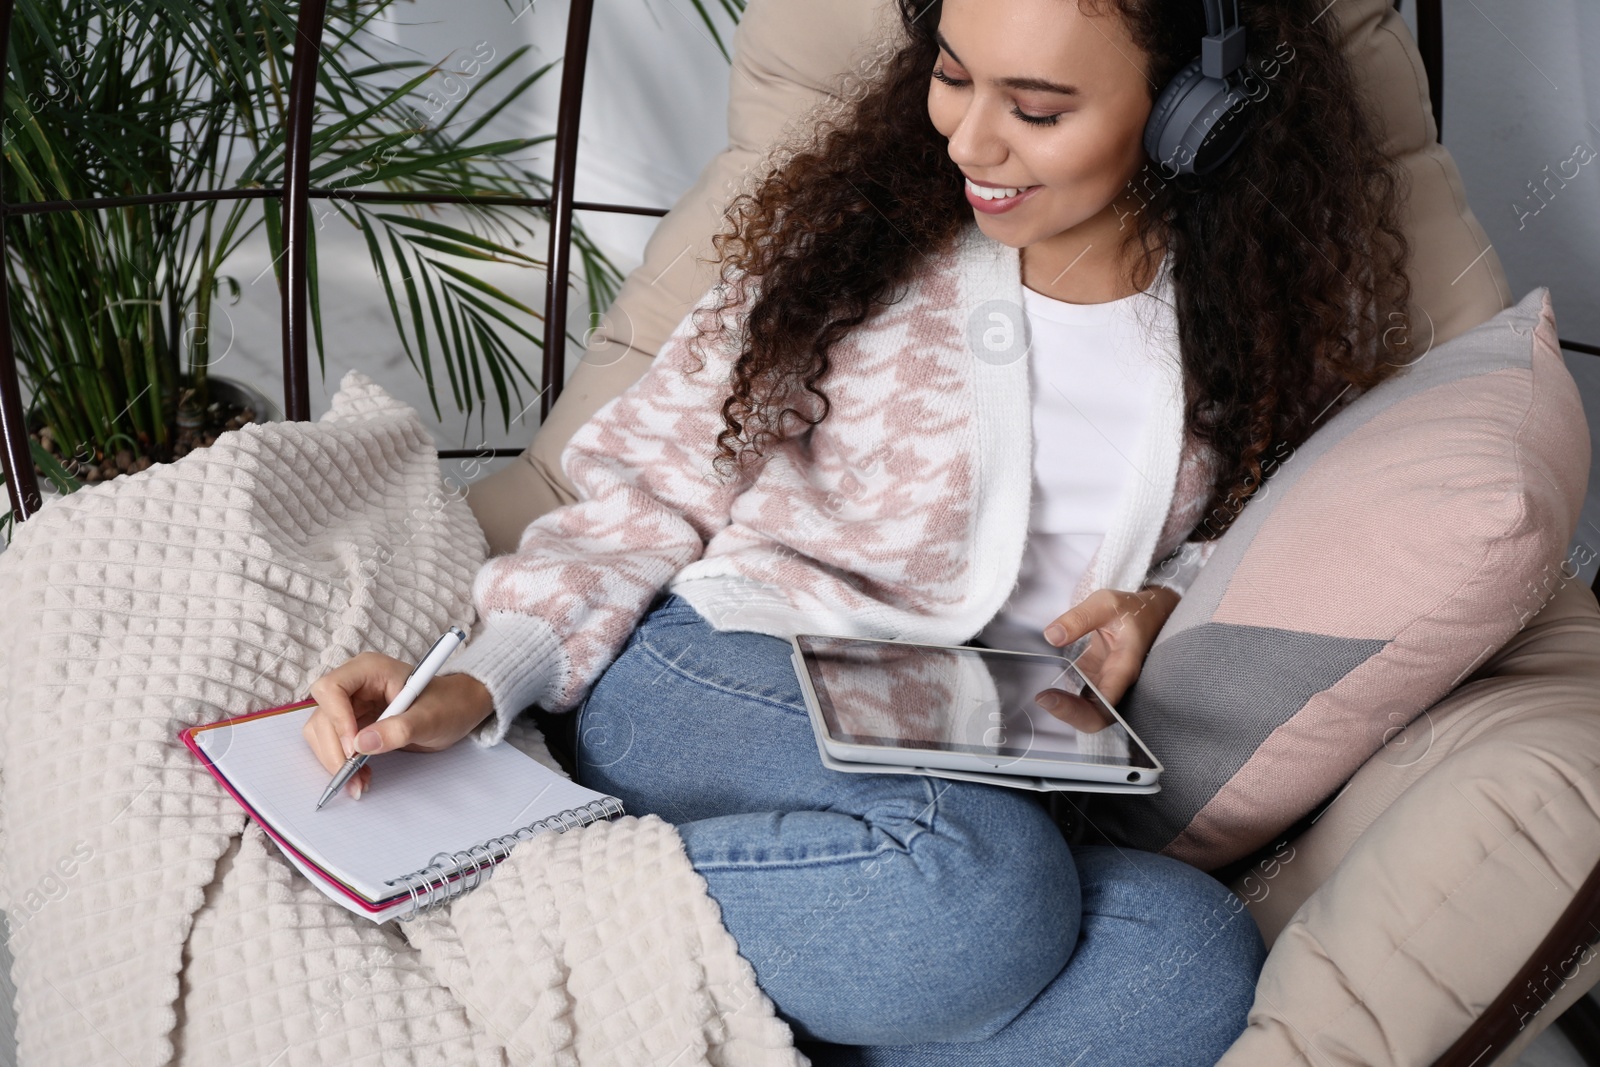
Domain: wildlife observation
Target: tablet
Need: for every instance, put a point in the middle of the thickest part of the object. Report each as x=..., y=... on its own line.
x=964, y=708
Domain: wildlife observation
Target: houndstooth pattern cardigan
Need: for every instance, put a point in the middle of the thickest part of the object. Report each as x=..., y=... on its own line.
x=903, y=514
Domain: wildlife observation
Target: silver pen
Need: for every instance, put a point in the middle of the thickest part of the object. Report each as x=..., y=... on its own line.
x=416, y=682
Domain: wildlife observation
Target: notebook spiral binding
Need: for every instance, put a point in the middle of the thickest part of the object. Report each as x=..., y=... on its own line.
x=431, y=885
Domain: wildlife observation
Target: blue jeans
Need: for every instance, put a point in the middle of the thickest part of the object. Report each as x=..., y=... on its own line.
x=899, y=919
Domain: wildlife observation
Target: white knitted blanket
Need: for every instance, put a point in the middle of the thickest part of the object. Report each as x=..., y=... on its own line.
x=152, y=924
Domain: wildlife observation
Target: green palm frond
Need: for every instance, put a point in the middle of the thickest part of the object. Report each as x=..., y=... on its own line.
x=734, y=9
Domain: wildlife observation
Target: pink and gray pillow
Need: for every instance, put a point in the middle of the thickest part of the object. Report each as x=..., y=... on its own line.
x=1394, y=551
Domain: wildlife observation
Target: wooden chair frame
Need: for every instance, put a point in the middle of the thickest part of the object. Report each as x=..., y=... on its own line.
x=1573, y=933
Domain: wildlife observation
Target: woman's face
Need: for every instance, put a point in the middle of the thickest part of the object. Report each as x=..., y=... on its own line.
x=1046, y=99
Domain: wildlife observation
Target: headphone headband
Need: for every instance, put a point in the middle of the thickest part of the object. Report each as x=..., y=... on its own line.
x=1218, y=16
x=1222, y=49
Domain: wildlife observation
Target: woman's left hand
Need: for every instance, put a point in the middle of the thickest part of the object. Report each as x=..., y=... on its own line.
x=1124, y=626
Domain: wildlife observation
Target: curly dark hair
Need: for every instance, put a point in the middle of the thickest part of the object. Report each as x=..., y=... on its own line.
x=1288, y=260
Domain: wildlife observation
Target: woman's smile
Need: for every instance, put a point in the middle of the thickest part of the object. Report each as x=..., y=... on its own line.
x=993, y=199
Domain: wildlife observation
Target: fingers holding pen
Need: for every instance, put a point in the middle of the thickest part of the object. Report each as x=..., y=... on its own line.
x=352, y=698
x=349, y=696
x=437, y=719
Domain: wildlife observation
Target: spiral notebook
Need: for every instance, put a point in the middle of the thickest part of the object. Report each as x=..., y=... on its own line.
x=431, y=827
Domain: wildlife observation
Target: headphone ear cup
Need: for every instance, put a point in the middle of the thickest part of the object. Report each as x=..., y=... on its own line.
x=1155, y=128
x=1194, y=124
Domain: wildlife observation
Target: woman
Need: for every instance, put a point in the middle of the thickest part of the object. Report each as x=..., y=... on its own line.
x=862, y=351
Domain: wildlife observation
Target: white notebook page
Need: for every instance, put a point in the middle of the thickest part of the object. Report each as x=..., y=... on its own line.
x=419, y=804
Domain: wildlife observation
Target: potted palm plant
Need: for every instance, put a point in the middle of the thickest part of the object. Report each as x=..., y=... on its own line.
x=112, y=308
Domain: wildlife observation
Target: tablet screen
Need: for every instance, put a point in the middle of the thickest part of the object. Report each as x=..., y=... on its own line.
x=972, y=700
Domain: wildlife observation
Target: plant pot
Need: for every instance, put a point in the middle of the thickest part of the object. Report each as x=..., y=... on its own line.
x=225, y=394
x=233, y=391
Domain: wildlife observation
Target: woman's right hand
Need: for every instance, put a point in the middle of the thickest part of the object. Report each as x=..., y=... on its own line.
x=352, y=696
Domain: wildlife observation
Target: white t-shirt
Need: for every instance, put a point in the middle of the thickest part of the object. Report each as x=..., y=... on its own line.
x=1093, y=372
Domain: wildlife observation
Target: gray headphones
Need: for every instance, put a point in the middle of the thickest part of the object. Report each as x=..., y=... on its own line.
x=1194, y=125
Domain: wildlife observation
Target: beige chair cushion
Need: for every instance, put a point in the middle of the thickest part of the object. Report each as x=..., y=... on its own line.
x=793, y=55
x=1485, y=808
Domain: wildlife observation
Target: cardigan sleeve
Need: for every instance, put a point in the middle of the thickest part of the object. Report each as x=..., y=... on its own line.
x=555, y=613
x=1180, y=568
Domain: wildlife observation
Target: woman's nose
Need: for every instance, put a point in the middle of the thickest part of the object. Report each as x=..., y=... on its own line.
x=974, y=145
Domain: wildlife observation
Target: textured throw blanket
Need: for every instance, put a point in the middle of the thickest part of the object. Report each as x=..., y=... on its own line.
x=152, y=924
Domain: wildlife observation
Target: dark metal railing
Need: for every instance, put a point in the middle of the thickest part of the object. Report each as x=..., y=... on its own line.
x=1430, y=42
x=315, y=192
x=296, y=181
x=562, y=179
x=22, y=484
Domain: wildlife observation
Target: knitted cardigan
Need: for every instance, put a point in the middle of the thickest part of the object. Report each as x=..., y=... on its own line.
x=903, y=514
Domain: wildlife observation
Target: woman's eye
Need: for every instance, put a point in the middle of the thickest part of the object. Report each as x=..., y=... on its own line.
x=1035, y=120
x=1032, y=120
